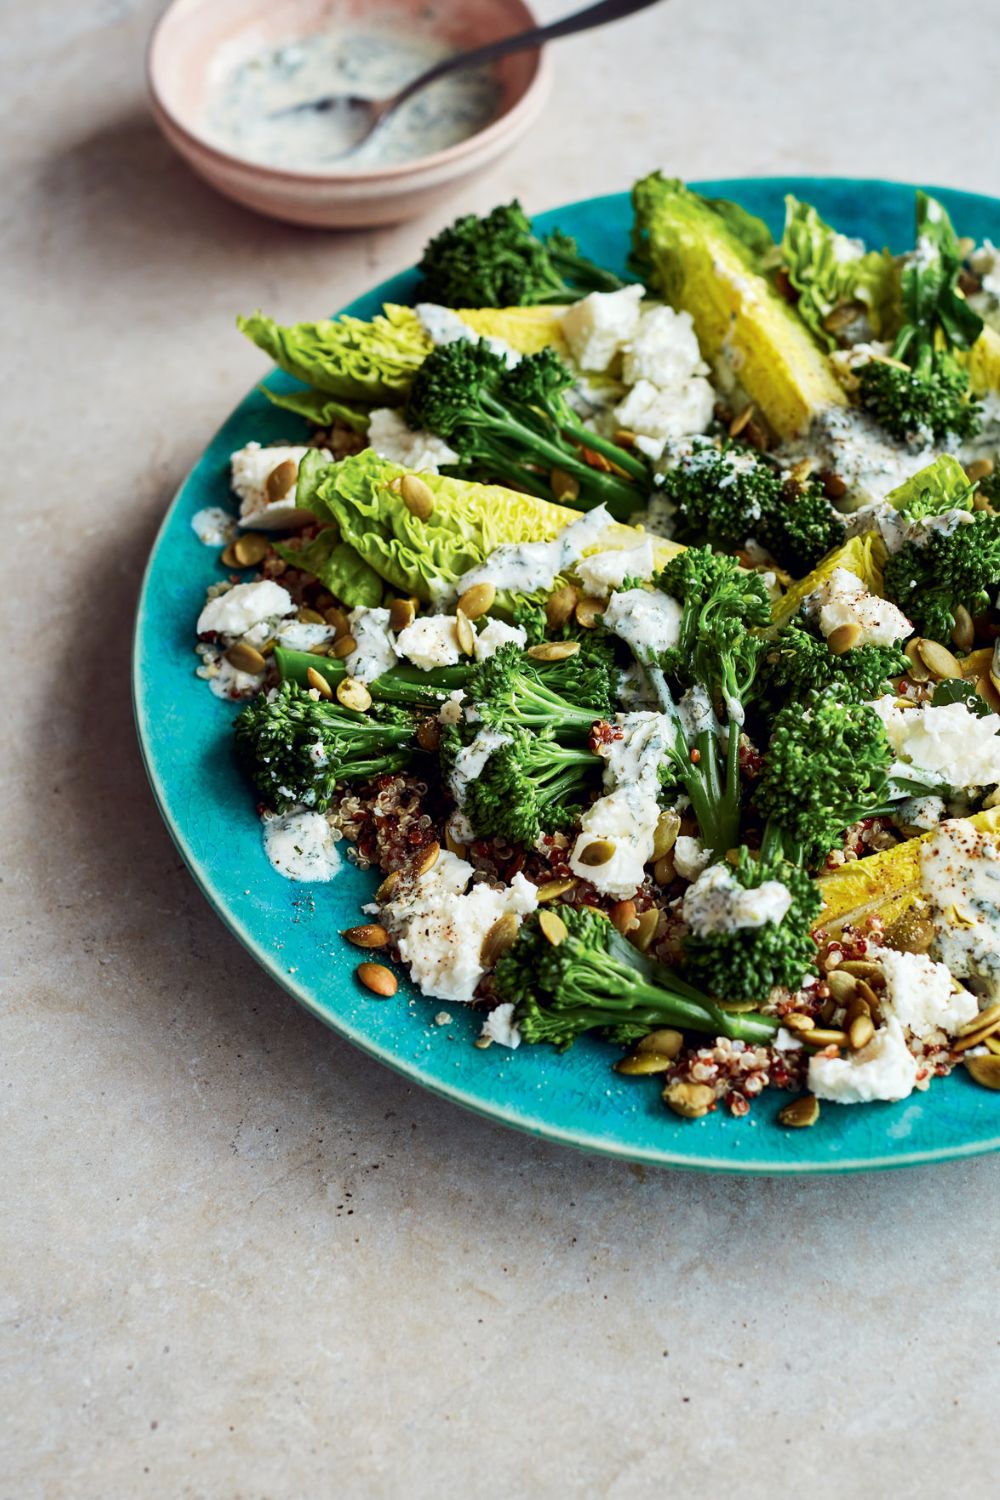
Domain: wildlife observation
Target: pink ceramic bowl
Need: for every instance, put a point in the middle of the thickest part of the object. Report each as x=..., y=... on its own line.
x=184, y=61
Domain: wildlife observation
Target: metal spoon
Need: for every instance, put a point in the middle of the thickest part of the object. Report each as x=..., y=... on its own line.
x=365, y=116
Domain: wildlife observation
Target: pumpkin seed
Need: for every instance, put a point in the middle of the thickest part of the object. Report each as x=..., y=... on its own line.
x=867, y=994
x=553, y=650
x=664, y=869
x=963, y=632
x=624, y=437
x=976, y=663
x=588, y=611
x=427, y=859
x=251, y=548
x=980, y=468
x=938, y=660
x=987, y=689
x=821, y=1036
x=418, y=497
x=281, y=479
x=844, y=638
x=913, y=932
x=401, y=614
x=343, y=646
x=641, y=1064
x=389, y=884
x=307, y=616
x=800, y=1112
x=860, y=1032
x=352, y=693
x=737, y=425
x=736, y=1007
x=553, y=889
x=645, y=930
x=564, y=487
x=553, y=927
x=368, y=935
x=988, y=1018
x=665, y=1042
x=843, y=315
x=797, y=1021
x=985, y=1070
x=842, y=986
x=245, y=658
x=428, y=734
x=501, y=937
x=378, y=979
x=623, y=916
x=337, y=619
x=465, y=633
x=862, y=968
x=318, y=681
x=267, y=647
x=917, y=669
x=668, y=826
x=560, y=605
x=596, y=853
x=992, y=1043
x=477, y=600
x=689, y=1100
x=452, y=844
x=228, y=557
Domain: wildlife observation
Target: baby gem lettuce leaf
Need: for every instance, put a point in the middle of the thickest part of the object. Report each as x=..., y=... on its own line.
x=347, y=357
x=337, y=566
x=828, y=270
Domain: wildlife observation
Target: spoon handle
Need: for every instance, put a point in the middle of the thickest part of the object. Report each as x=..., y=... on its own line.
x=524, y=41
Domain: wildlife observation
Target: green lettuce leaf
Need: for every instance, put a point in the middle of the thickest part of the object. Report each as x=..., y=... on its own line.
x=943, y=485
x=319, y=408
x=337, y=566
x=425, y=558
x=826, y=271
x=346, y=357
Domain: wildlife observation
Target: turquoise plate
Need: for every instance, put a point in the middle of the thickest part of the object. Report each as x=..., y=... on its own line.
x=292, y=930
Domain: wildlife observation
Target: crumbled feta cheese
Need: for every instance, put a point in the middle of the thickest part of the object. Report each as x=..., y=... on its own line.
x=627, y=818
x=439, y=925
x=597, y=326
x=884, y=1069
x=471, y=759
x=646, y=620
x=664, y=350
x=603, y=572
x=842, y=599
x=300, y=846
x=690, y=856
x=227, y=681
x=636, y=756
x=249, y=469
x=450, y=711
x=919, y=812
x=921, y=994
x=374, y=652
x=392, y=439
x=239, y=609
x=501, y=1027
x=213, y=526
x=960, y=878
x=497, y=633
x=443, y=325
x=429, y=642
x=949, y=740
x=716, y=902
x=657, y=416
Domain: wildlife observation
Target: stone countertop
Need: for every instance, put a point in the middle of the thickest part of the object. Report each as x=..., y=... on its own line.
x=241, y=1259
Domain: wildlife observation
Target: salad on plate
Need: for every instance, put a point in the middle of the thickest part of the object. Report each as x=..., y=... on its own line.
x=640, y=633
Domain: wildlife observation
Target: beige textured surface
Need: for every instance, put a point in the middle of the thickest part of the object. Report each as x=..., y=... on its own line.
x=241, y=1260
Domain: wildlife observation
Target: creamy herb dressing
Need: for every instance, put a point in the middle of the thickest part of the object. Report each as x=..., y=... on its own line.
x=241, y=109
x=300, y=846
x=528, y=567
x=960, y=878
x=213, y=526
x=443, y=325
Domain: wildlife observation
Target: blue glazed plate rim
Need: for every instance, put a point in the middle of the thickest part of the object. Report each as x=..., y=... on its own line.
x=148, y=699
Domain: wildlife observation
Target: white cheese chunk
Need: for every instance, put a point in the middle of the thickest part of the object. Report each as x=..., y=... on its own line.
x=690, y=856
x=884, y=1069
x=960, y=878
x=948, y=740
x=664, y=350
x=429, y=642
x=842, y=599
x=597, y=326
x=239, y=609
x=300, y=846
x=627, y=818
x=497, y=633
x=501, y=1027
x=603, y=572
x=658, y=417
x=392, y=439
x=250, y=468
x=716, y=902
x=921, y=994
x=213, y=526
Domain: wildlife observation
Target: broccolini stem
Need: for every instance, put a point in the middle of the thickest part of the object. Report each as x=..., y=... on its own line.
x=404, y=685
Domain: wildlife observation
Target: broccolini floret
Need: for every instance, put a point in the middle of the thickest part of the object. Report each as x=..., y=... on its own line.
x=499, y=261
x=528, y=786
x=516, y=424
x=925, y=393
x=746, y=963
x=727, y=495
x=298, y=750
x=506, y=691
x=931, y=577
x=593, y=980
x=798, y=662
